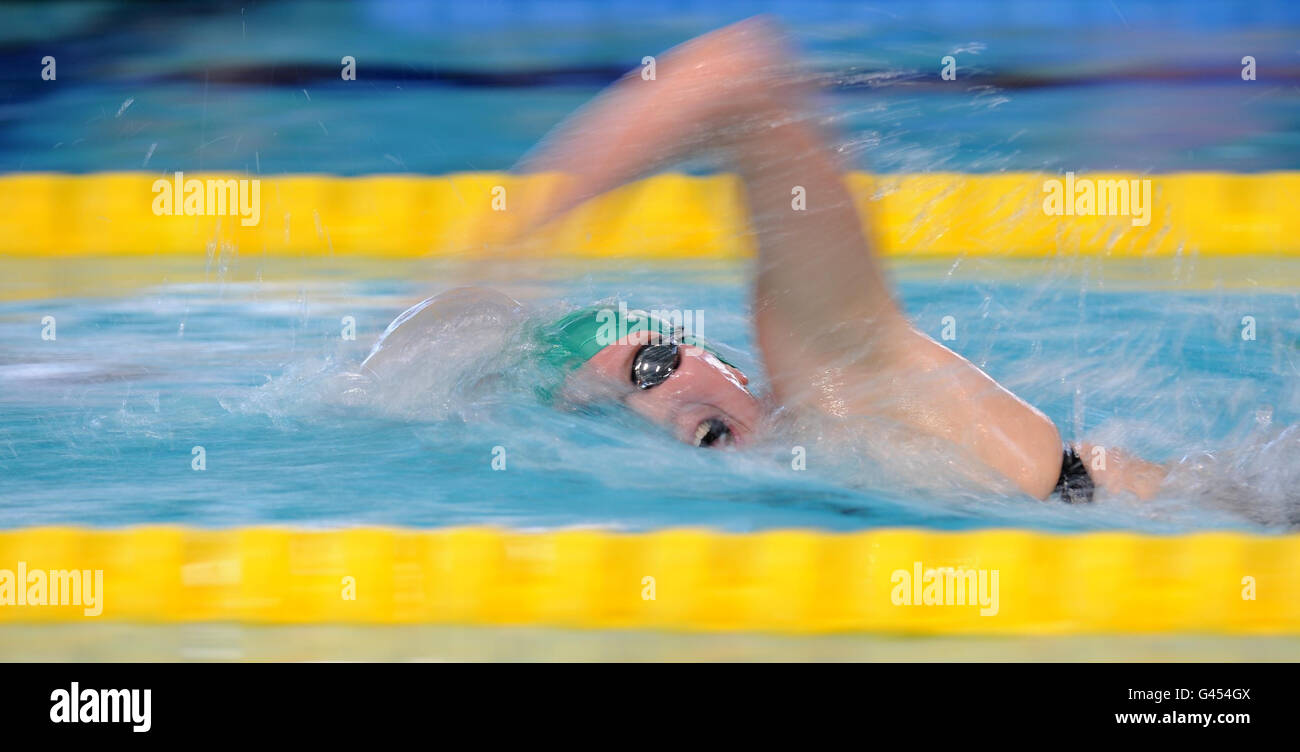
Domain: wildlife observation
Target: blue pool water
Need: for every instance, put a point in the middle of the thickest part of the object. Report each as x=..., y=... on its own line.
x=98, y=425
x=1138, y=85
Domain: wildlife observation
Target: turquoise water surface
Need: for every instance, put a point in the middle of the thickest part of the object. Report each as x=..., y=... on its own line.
x=98, y=426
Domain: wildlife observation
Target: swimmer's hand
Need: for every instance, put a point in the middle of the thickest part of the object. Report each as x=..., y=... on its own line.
x=1118, y=472
x=702, y=93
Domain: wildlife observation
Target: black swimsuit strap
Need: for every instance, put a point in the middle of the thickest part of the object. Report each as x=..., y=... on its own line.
x=1075, y=485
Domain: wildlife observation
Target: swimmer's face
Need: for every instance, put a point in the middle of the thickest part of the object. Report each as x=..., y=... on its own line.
x=700, y=399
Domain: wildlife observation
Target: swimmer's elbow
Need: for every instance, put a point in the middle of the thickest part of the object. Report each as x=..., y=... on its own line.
x=1043, y=453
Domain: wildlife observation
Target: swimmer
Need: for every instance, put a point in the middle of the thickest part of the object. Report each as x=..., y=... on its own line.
x=831, y=336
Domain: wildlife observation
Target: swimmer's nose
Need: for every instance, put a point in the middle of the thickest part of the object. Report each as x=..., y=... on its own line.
x=708, y=381
x=708, y=358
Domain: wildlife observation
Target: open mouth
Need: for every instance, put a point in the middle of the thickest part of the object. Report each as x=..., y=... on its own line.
x=713, y=432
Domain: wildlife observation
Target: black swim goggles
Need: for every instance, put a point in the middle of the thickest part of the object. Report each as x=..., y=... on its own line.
x=653, y=364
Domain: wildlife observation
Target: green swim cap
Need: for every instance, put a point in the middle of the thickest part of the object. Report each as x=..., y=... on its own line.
x=566, y=344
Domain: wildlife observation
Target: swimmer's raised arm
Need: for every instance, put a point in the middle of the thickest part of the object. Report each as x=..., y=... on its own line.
x=820, y=290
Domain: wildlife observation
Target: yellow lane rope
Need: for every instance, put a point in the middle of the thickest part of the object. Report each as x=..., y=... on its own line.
x=1013, y=581
x=664, y=216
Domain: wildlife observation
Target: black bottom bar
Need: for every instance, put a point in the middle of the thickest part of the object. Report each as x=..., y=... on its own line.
x=437, y=703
